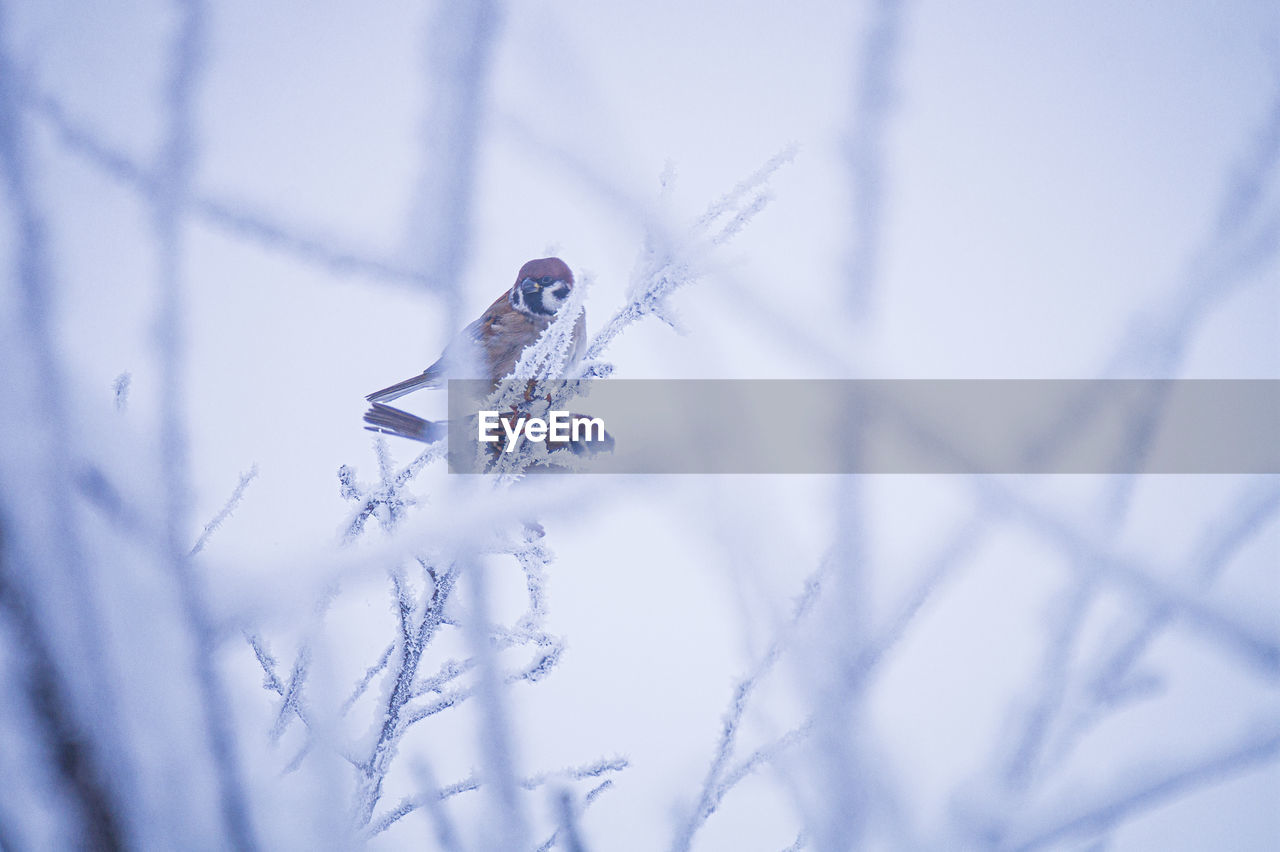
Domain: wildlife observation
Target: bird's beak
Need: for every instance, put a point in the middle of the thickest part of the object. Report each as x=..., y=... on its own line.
x=528, y=286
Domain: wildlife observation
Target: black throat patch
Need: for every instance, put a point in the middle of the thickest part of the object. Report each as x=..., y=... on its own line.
x=530, y=303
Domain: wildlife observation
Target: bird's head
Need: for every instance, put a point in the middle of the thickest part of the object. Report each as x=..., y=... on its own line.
x=542, y=287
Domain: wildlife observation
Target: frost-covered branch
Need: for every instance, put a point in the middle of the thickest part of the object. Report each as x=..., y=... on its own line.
x=761, y=756
x=534, y=558
x=414, y=637
x=292, y=702
x=368, y=677
x=292, y=693
x=387, y=499
x=713, y=787
x=475, y=782
x=225, y=512
x=670, y=262
x=537, y=668
x=448, y=672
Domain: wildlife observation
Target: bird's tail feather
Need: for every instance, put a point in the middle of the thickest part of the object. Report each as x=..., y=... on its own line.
x=428, y=379
x=393, y=421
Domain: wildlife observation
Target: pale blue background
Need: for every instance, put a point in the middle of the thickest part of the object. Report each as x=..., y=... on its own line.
x=1049, y=171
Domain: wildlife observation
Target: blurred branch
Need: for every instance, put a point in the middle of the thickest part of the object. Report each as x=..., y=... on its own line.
x=235, y=217
x=1255, y=506
x=460, y=40
x=1105, y=680
x=73, y=761
x=432, y=801
x=1144, y=582
x=567, y=823
x=1120, y=797
x=47, y=585
x=506, y=825
x=1245, y=236
x=174, y=169
x=865, y=147
x=846, y=652
x=801, y=842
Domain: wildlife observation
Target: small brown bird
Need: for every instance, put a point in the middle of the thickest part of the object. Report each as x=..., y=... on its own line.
x=487, y=348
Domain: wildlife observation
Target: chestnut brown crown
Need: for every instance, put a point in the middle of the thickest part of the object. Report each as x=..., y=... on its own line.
x=545, y=267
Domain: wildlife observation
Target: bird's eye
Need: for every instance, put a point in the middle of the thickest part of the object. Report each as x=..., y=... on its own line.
x=545, y=280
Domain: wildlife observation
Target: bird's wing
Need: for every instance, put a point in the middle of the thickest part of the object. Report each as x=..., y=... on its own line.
x=488, y=348
x=510, y=331
x=505, y=334
x=435, y=376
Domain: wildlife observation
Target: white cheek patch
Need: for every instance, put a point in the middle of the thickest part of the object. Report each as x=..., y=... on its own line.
x=552, y=302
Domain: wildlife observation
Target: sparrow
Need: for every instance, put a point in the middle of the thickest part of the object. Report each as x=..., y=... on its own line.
x=490, y=346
